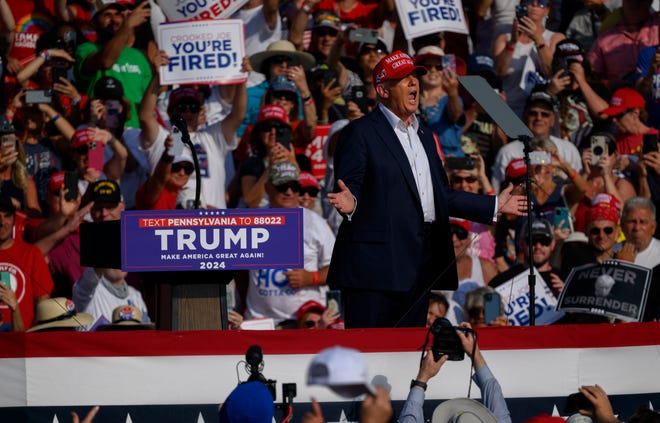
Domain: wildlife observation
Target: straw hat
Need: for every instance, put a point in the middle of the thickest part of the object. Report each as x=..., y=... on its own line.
x=126, y=317
x=59, y=313
x=462, y=410
x=282, y=48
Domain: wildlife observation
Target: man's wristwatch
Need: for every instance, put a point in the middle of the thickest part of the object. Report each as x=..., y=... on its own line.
x=419, y=383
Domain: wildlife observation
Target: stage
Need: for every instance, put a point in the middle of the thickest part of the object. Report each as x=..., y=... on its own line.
x=161, y=376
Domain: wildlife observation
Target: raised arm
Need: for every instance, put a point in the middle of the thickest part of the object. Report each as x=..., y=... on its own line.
x=114, y=167
x=503, y=49
x=62, y=11
x=148, y=123
x=106, y=57
x=156, y=182
x=233, y=120
x=33, y=67
x=271, y=12
x=299, y=23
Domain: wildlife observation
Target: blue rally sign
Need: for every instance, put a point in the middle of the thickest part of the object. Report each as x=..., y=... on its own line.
x=184, y=240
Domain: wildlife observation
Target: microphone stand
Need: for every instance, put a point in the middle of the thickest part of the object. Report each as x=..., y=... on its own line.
x=531, y=278
x=178, y=121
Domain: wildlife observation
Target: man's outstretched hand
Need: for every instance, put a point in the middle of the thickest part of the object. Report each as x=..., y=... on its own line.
x=343, y=200
x=511, y=204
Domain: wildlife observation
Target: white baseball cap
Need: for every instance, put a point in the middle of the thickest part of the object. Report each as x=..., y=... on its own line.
x=344, y=370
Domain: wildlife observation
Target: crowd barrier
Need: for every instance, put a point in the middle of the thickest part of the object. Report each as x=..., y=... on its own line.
x=160, y=376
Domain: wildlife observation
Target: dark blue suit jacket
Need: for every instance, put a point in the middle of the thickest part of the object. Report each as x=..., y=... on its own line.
x=381, y=247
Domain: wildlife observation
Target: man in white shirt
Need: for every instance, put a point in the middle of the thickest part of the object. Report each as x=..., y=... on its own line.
x=638, y=223
x=540, y=117
x=279, y=293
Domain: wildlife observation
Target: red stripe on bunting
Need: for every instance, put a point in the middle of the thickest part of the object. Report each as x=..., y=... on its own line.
x=162, y=343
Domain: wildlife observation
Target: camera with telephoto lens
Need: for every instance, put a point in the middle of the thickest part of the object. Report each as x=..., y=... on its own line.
x=446, y=340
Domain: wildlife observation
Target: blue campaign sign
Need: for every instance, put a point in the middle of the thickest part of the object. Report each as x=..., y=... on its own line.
x=185, y=240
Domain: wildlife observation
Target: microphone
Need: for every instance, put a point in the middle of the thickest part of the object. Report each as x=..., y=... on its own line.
x=178, y=121
x=254, y=358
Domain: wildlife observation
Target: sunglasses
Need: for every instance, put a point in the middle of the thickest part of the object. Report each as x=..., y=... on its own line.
x=285, y=95
x=460, y=232
x=293, y=186
x=187, y=167
x=518, y=181
x=596, y=231
x=187, y=107
x=267, y=127
x=311, y=324
x=84, y=149
x=312, y=191
x=536, y=113
x=475, y=312
x=278, y=60
x=324, y=32
x=622, y=114
x=543, y=240
x=433, y=67
x=460, y=179
x=539, y=3
x=367, y=50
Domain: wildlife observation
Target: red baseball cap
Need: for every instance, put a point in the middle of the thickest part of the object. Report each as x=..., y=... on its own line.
x=310, y=305
x=460, y=222
x=273, y=111
x=624, y=99
x=183, y=93
x=395, y=66
x=604, y=207
x=56, y=181
x=516, y=169
x=308, y=180
x=82, y=137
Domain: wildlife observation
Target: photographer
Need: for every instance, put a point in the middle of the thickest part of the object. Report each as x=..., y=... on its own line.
x=491, y=391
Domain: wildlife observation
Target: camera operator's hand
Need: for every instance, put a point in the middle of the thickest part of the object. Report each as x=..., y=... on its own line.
x=376, y=409
x=430, y=367
x=602, y=412
x=469, y=343
x=88, y=418
x=314, y=416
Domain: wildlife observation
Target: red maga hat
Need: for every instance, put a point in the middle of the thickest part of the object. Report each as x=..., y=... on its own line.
x=395, y=66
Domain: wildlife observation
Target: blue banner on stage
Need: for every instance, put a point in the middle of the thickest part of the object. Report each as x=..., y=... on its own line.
x=185, y=240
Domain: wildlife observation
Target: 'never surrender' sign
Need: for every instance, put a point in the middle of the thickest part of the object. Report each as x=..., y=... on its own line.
x=202, y=52
x=185, y=240
x=421, y=17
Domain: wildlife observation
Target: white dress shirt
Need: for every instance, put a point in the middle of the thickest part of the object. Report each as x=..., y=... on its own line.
x=419, y=163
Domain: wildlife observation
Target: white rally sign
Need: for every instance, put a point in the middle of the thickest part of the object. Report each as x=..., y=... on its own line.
x=186, y=10
x=421, y=17
x=203, y=52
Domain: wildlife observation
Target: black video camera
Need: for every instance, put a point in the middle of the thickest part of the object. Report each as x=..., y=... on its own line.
x=446, y=340
x=254, y=358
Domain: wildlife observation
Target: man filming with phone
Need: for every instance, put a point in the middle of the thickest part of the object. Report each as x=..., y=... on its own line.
x=491, y=391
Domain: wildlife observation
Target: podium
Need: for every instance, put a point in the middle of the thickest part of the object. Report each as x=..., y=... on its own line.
x=187, y=257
